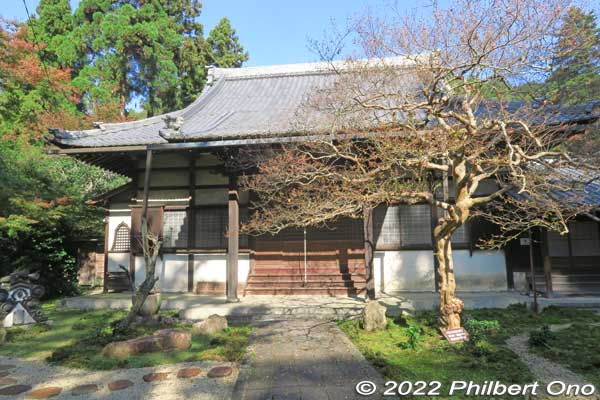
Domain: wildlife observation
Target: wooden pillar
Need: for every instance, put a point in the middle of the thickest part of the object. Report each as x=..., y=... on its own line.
x=146, y=183
x=134, y=179
x=369, y=250
x=547, y=264
x=233, y=241
x=191, y=223
x=106, y=219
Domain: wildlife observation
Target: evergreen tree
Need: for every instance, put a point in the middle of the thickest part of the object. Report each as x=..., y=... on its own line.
x=575, y=76
x=50, y=28
x=225, y=49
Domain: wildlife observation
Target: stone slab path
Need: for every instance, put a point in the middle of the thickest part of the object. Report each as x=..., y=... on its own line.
x=40, y=380
x=302, y=359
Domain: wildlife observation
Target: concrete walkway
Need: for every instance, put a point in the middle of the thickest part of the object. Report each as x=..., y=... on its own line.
x=302, y=360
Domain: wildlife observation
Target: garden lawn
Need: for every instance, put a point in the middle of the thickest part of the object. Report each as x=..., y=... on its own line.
x=577, y=348
x=75, y=339
x=432, y=358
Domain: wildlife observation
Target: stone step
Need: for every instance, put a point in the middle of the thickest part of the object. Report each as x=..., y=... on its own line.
x=261, y=269
x=259, y=277
x=289, y=290
x=251, y=314
x=301, y=284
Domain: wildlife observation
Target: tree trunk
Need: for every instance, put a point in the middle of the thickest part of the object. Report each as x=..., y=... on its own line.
x=151, y=248
x=450, y=305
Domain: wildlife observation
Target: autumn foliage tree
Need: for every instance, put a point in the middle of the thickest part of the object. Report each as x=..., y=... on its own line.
x=411, y=111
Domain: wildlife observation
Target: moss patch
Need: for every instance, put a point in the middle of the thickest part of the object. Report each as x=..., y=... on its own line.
x=394, y=354
x=75, y=339
x=577, y=348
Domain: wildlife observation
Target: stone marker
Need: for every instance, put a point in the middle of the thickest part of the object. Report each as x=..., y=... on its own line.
x=119, y=384
x=7, y=381
x=2, y=335
x=14, y=390
x=175, y=338
x=213, y=324
x=44, y=393
x=156, y=376
x=374, y=316
x=188, y=372
x=84, y=389
x=220, y=372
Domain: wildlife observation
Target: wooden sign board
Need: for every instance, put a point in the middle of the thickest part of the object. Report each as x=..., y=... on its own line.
x=457, y=335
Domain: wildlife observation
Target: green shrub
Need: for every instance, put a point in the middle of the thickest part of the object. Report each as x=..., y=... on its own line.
x=480, y=328
x=414, y=338
x=541, y=338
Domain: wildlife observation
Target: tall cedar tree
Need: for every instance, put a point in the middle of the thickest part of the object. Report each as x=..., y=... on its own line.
x=575, y=76
x=225, y=49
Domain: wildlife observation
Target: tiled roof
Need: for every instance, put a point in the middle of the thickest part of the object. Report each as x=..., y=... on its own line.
x=248, y=102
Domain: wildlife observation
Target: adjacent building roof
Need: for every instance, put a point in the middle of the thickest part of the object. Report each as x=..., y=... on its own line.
x=255, y=102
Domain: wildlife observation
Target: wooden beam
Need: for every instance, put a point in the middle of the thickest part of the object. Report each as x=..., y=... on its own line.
x=88, y=150
x=233, y=240
x=369, y=250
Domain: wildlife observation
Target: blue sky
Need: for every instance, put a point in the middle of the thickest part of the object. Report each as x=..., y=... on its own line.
x=273, y=31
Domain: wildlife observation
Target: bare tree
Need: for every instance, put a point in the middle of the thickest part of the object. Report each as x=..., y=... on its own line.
x=151, y=249
x=417, y=108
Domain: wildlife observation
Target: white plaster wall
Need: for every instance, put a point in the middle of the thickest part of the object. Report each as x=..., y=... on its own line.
x=140, y=270
x=213, y=268
x=404, y=270
x=116, y=259
x=171, y=270
x=483, y=271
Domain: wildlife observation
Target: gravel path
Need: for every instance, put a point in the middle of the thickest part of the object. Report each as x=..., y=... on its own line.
x=543, y=369
x=38, y=375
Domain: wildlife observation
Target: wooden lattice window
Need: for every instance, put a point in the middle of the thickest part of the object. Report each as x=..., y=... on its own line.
x=122, y=239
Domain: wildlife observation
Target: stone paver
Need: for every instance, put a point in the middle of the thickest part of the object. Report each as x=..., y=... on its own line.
x=14, y=390
x=156, y=377
x=44, y=393
x=120, y=384
x=7, y=381
x=80, y=384
x=302, y=359
x=219, y=372
x=84, y=389
x=188, y=372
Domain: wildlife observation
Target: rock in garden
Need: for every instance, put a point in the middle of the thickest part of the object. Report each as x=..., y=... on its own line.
x=219, y=372
x=156, y=376
x=14, y=390
x=188, y=372
x=374, y=316
x=84, y=389
x=128, y=348
x=175, y=338
x=213, y=324
x=119, y=384
x=44, y=393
